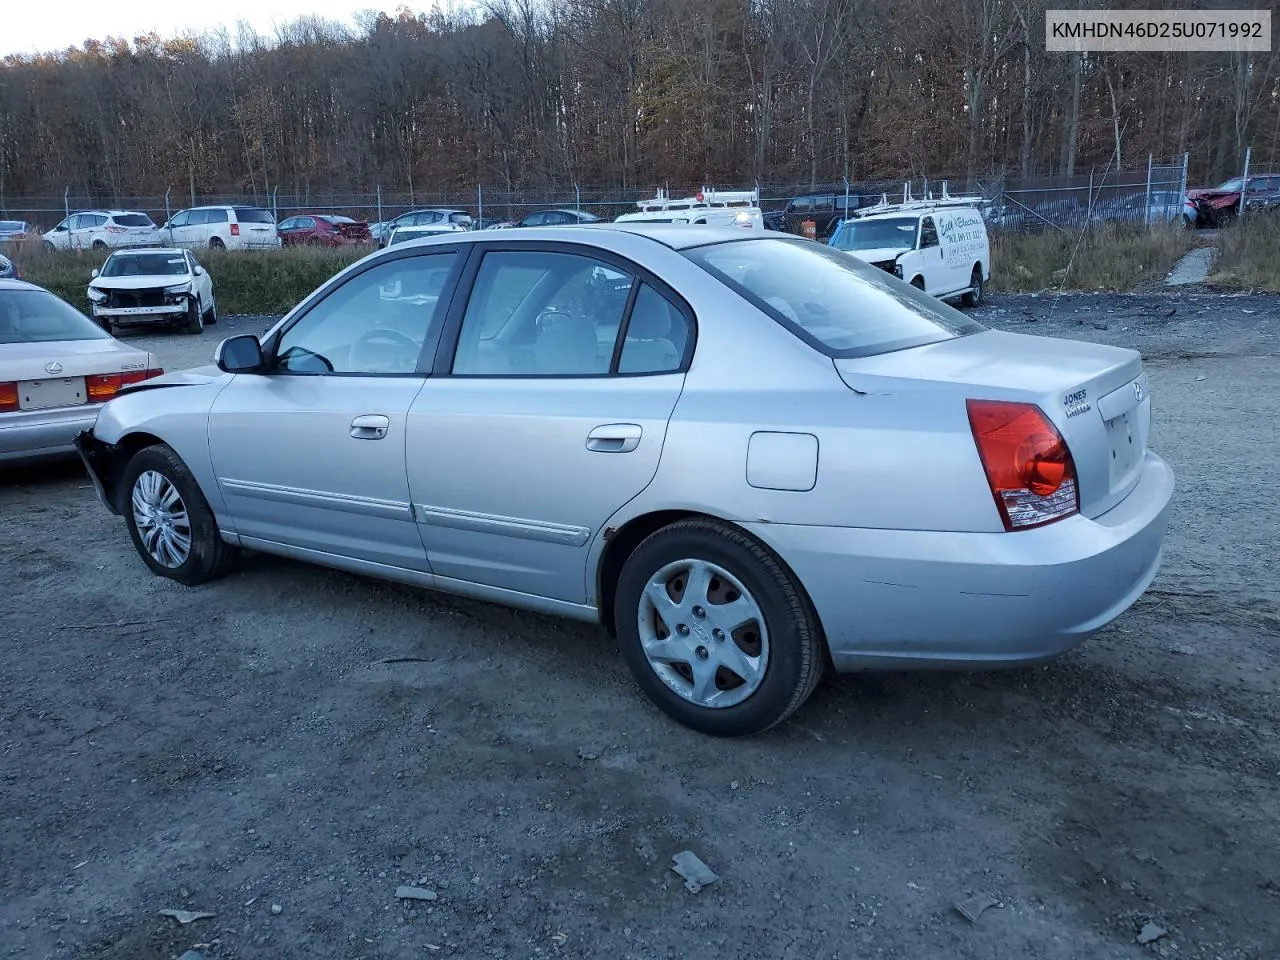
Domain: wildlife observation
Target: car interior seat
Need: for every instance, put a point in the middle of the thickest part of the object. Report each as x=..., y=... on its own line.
x=649, y=345
x=569, y=346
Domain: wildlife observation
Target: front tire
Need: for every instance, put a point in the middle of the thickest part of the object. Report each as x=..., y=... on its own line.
x=974, y=297
x=170, y=522
x=715, y=629
x=194, y=322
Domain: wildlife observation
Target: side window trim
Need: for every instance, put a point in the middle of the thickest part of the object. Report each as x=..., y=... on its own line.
x=423, y=367
x=450, y=333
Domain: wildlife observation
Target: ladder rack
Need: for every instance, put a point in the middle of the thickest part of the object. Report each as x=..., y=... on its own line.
x=910, y=205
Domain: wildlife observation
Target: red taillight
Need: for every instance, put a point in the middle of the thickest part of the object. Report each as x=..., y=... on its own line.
x=1028, y=465
x=103, y=386
x=114, y=229
x=8, y=396
x=235, y=229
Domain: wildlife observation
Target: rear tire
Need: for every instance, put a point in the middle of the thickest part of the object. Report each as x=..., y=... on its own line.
x=99, y=245
x=211, y=315
x=974, y=297
x=215, y=243
x=170, y=521
x=735, y=681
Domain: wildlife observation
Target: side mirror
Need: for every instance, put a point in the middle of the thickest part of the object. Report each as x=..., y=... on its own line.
x=93, y=274
x=242, y=354
x=199, y=271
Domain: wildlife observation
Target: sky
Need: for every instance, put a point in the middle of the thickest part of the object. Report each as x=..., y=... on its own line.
x=33, y=28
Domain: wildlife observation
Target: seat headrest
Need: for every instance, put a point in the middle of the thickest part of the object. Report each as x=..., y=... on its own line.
x=650, y=318
x=569, y=345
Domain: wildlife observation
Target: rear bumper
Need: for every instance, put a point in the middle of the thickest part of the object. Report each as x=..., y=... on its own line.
x=891, y=599
x=44, y=434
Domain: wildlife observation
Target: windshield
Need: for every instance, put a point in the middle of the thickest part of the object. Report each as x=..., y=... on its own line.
x=37, y=316
x=832, y=301
x=898, y=233
x=254, y=215
x=132, y=220
x=1235, y=183
x=145, y=265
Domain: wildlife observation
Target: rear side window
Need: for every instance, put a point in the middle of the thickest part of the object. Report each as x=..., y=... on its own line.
x=215, y=216
x=831, y=300
x=93, y=219
x=251, y=215
x=133, y=220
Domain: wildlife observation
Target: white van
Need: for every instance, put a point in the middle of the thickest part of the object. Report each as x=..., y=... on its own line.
x=717, y=208
x=939, y=246
x=222, y=228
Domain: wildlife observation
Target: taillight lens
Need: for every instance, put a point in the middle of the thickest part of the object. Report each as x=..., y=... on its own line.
x=1028, y=464
x=8, y=396
x=235, y=229
x=101, y=387
x=115, y=229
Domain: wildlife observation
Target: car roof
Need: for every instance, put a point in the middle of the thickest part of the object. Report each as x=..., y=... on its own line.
x=130, y=251
x=673, y=235
x=18, y=285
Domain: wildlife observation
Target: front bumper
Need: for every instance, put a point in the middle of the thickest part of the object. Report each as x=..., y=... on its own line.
x=894, y=599
x=168, y=313
x=44, y=434
x=99, y=463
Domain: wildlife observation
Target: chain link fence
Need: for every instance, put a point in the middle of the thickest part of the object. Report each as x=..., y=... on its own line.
x=1152, y=194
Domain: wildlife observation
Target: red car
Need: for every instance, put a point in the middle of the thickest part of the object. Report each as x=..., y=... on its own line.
x=323, y=230
x=1218, y=206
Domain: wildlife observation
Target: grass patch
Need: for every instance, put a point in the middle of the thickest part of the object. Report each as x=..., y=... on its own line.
x=1111, y=257
x=1247, y=256
x=253, y=282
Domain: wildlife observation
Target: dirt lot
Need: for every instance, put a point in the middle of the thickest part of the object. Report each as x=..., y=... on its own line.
x=259, y=749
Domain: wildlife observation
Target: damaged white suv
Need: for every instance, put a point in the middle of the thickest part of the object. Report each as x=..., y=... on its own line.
x=159, y=285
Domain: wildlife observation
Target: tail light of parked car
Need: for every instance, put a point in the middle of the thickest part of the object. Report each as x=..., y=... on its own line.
x=1028, y=465
x=8, y=397
x=235, y=229
x=101, y=387
x=112, y=228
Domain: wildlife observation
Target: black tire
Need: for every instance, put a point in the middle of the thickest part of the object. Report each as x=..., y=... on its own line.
x=796, y=649
x=107, y=325
x=917, y=282
x=211, y=315
x=974, y=297
x=194, y=323
x=215, y=243
x=99, y=245
x=49, y=247
x=209, y=556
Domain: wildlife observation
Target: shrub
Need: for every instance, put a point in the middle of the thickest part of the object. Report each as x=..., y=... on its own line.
x=1108, y=257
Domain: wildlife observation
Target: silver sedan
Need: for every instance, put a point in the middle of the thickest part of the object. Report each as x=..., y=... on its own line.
x=750, y=457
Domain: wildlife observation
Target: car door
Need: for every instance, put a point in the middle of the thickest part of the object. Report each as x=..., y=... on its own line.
x=216, y=229
x=286, y=230
x=311, y=453
x=555, y=381
x=62, y=233
x=179, y=229
x=932, y=265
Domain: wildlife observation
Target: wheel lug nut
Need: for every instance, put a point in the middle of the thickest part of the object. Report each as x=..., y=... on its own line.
x=702, y=653
x=682, y=629
x=699, y=612
x=718, y=634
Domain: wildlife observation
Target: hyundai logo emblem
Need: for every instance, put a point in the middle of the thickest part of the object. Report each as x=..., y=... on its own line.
x=53, y=367
x=1137, y=391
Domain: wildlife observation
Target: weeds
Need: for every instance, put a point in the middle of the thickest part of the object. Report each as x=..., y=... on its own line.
x=245, y=282
x=1110, y=257
x=1247, y=255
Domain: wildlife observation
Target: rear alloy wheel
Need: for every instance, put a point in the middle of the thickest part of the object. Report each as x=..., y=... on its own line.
x=170, y=522
x=974, y=297
x=194, y=322
x=715, y=629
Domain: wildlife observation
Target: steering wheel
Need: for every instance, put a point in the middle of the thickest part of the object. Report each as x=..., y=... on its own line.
x=412, y=347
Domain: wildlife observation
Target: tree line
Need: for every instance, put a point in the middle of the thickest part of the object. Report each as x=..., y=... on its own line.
x=531, y=94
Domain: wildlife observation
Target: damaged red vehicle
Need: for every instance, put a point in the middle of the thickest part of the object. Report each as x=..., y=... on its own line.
x=323, y=229
x=1218, y=206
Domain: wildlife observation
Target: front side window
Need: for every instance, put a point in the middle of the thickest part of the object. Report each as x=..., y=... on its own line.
x=535, y=220
x=928, y=233
x=834, y=302
x=539, y=313
x=180, y=219
x=376, y=323
x=36, y=316
x=289, y=224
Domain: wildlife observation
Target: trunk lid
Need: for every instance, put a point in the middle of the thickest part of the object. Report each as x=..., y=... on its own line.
x=1096, y=395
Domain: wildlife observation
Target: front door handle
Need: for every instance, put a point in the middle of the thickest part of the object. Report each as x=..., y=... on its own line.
x=614, y=438
x=371, y=426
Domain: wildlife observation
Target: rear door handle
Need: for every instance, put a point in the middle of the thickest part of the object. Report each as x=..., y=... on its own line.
x=371, y=426
x=614, y=438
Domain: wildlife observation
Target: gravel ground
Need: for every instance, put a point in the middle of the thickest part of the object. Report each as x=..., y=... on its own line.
x=286, y=746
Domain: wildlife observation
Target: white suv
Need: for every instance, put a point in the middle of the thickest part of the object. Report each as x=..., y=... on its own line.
x=222, y=228
x=102, y=228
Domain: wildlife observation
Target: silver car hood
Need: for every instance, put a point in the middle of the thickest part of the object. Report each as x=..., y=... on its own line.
x=140, y=283
x=195, y=377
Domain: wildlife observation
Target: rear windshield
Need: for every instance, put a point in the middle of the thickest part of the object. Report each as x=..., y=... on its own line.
x=463, y=219
x=898, y=233
x=37, y=316
x=254, y=215
x=831, y=300
x=145, y=265
x=133, y=220
x=12, y=226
